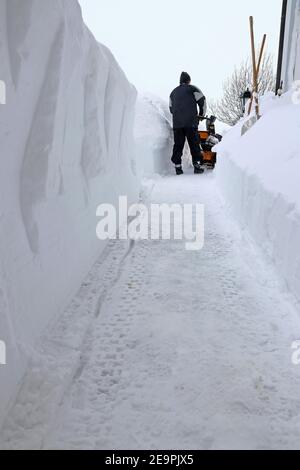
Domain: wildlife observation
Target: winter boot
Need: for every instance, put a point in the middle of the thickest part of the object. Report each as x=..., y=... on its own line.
x=198, y=169
x=179, y=170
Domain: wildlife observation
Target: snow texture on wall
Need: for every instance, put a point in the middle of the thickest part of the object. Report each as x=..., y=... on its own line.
x=291, y=52
x=153, y=135
x=259, y=176
x=66, y=146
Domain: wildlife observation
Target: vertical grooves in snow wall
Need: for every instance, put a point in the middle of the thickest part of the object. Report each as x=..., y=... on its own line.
x=66, y=146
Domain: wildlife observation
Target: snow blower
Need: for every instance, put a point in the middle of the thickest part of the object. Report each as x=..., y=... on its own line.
x=209, y=139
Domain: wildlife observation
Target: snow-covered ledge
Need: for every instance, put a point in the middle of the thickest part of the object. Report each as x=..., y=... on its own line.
x=66, y=146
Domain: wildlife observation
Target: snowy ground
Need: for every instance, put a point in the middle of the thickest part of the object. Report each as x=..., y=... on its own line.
x=172, y=349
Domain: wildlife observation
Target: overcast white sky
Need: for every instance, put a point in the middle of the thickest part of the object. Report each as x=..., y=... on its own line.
x=154, y=40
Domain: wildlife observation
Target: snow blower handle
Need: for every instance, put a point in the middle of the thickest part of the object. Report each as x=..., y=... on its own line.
x=254, y=65
x=207, y=118
x=258, y=70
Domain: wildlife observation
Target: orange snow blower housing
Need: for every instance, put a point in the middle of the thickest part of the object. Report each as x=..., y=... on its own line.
x=208, y=140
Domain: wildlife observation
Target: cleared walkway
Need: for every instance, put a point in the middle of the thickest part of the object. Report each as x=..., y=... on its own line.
x=187, y=350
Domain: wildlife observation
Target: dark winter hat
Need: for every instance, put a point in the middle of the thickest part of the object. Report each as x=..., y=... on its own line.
x=185, y=78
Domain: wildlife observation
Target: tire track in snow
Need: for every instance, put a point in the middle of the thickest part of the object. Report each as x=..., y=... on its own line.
x=98, y=310
x=54, y=362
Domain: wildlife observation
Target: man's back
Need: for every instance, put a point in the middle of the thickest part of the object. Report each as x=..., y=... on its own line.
x=183, y=105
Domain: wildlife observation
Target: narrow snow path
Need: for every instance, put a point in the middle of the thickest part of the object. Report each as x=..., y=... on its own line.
x=188, y=350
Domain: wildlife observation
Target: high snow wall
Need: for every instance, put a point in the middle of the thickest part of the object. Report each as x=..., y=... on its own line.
x=66, y=146
x=259, y=176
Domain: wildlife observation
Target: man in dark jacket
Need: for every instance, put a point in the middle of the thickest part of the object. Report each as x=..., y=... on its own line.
x=184, y=101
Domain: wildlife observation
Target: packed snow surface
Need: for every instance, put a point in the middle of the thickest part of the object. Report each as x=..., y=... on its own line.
x=168, y=349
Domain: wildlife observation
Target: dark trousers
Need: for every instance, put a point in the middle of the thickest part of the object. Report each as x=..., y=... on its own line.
x=192, y=135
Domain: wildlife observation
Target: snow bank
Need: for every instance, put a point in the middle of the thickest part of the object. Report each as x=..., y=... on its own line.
x=259, y=174
x=66, y=146
x=153, y=135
